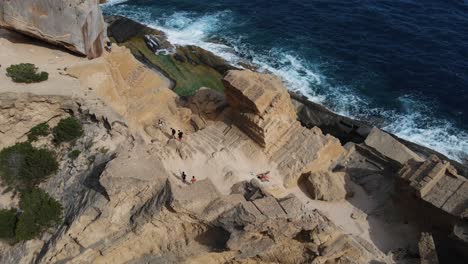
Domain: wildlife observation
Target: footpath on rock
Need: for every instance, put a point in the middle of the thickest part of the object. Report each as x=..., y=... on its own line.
x=353, y=194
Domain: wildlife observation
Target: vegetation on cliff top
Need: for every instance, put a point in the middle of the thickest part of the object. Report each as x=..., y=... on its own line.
x=23, y=167
x=40, y=211
x=8, y=219
x=67, y=130
x=26, y=73
x=40, y=130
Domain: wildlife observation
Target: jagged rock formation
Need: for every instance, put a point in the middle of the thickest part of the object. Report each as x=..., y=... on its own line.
x=326, y=186
x=76, y=24
x=311, y=114
x=133, y=91
x=125, y=202
x=77, y=182
x=271, y=230
x=261, y=107
x=19, y=113
x=207, y=105
x=438, y=183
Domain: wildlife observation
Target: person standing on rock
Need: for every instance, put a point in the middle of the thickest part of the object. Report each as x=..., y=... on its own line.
x=180, y=134
x=173, y=132
x=108, y=46
x=184, y=177
x=161, y=124
x=193, y=180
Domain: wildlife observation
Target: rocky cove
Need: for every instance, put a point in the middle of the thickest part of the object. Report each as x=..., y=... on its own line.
x=339, y=191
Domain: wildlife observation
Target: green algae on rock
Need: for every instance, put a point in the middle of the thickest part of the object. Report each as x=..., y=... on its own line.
x=189, y=67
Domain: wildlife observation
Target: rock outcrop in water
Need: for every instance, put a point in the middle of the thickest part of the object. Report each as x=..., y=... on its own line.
x=76, y=25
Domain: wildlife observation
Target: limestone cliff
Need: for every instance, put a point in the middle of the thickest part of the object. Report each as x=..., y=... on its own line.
x=76, y=25
x=125, y=201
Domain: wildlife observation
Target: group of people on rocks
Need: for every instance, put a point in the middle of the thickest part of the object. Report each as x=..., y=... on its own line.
x=264, y=177
x=184, y=178
x=180, y=134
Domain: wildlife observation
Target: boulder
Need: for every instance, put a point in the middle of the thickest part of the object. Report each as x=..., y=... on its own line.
x=208, y=104
x=326, y=186
x=262, y=106
x=279, y=231
x=427, y=249
x=77, y=25
x=390, y=147
x=437, y=182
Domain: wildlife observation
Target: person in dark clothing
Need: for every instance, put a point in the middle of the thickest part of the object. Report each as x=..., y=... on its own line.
x=108, y=46
x=173, y=132
x=180, y=134
x=184, y=177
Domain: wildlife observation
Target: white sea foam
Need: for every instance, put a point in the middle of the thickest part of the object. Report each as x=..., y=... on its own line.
x=113, y=2
x=417, y=124
x=184, y=29
x=414, y=123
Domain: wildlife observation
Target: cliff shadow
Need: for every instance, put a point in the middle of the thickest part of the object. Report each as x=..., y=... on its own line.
x=22, y=38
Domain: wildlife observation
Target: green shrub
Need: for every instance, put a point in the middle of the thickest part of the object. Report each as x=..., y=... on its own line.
x=24, y=166
x=74, y=154
x=26, y=228
x=42, y=129
x=26, y=73
x=40, y=211
x=67, y=129
x=8, y=220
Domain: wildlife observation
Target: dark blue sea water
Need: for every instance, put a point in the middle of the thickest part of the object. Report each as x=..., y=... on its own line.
x=401, y=64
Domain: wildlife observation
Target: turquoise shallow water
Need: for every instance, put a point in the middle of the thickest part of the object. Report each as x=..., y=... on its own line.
x=400, y=64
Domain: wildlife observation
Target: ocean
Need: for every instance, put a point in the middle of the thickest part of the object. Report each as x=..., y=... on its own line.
x=400, y=64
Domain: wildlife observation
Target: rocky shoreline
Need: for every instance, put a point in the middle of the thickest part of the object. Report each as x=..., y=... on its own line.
x=276, y=178
x=310, y=114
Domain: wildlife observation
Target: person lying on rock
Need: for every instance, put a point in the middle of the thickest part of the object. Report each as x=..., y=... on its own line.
x=264, y=177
